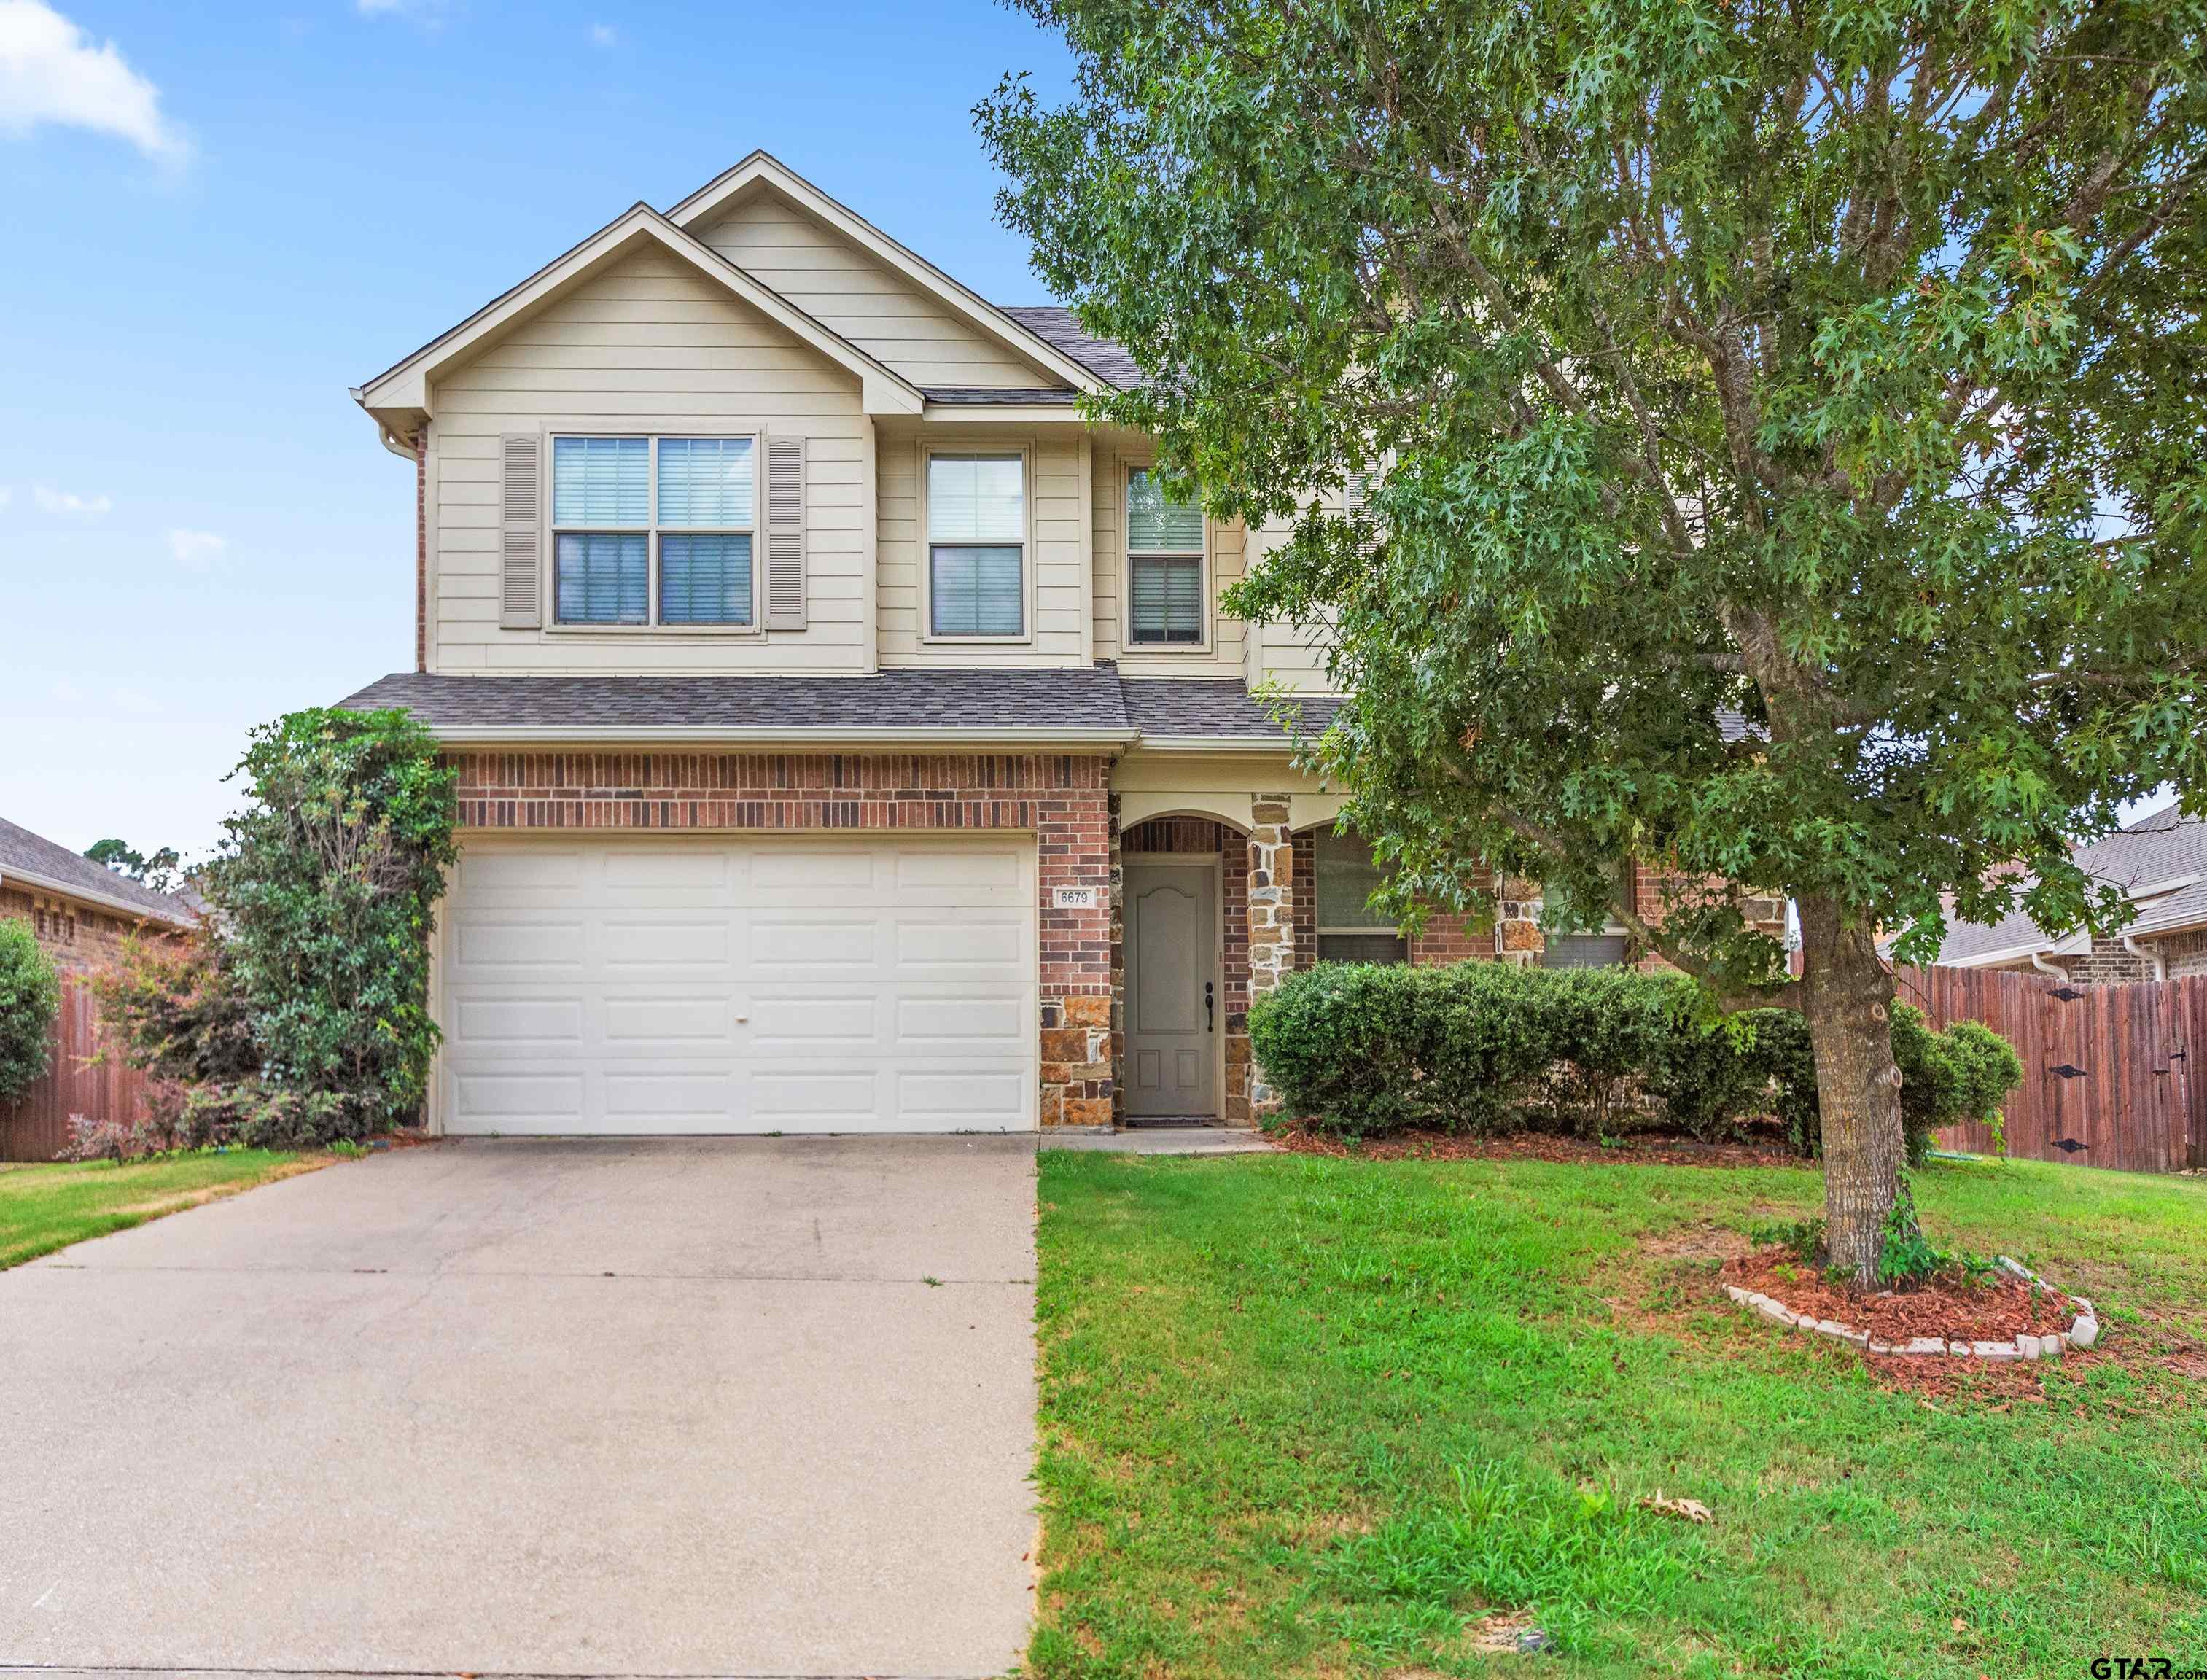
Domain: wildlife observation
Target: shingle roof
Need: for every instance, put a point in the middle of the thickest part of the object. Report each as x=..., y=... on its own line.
x=1214, y=707
x=2161, y=846
x=1054, y=323
x=1084, y=698
x=973, y=396
x=23, y=853
x=1064, y=697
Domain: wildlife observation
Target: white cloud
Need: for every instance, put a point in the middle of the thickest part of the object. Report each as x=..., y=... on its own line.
x=604, y=34
x=51, y=71
x=197, y=550
x=425, y=11
x=7, y=494
x=51, y=501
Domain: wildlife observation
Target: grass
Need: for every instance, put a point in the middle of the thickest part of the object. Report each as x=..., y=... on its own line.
x=49, y=1207
x=1311, y=1417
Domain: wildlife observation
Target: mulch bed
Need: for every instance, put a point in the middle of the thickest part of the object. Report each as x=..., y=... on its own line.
x=1649, y=1150
x=1952, y=1307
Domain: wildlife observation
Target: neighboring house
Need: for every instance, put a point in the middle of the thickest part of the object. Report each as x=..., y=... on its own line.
x=80, y=913
x=848, y=735
x=2160, y=862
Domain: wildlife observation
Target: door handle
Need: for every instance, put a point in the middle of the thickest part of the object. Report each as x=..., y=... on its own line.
x=1209, y=1003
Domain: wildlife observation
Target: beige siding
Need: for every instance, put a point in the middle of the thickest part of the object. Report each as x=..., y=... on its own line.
x=1057, y=548
x=648, y=345
x=877, y=309
x=1281, y=654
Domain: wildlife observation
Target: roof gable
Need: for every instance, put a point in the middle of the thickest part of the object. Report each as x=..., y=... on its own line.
x=403, y=388
x=762, y=172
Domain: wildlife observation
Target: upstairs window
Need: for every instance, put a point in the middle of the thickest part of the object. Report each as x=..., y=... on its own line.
x=654, y=530
x=1166, y=593
x=976, y=543
x=1348, y=929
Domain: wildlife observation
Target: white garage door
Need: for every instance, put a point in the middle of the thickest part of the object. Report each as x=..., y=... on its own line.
x=657, y=986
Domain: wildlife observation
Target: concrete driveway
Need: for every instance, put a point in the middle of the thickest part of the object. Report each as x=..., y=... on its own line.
x=513, y=1407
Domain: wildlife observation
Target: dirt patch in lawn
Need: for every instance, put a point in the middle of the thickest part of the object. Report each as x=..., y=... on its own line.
x=1653, y=1149
x=1996, y=1310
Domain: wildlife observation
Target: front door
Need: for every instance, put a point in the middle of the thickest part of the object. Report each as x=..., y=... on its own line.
x=1172, y=987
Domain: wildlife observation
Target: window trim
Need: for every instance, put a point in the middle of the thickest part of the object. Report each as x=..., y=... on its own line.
x=925, y=452
x=1206, y=561
x=550, y=531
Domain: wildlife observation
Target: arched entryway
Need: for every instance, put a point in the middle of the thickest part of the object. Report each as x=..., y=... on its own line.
x=1183, y=961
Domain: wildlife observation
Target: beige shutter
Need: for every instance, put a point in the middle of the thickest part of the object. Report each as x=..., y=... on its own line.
x=785, y=534
x=521, y=594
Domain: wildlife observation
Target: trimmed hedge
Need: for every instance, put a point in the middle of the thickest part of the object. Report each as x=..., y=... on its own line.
x=1366, y=1049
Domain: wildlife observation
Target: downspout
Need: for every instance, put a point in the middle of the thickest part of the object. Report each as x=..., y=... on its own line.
x=2160, y=966
x=2038, y=961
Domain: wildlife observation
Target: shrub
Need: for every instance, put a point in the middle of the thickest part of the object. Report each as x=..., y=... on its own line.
x=1480, y=1047
x=1950, y=1078
x=30, y=998
x=325, y=894
x=174, y=1009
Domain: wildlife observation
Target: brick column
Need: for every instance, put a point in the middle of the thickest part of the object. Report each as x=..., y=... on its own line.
x=1271, y=920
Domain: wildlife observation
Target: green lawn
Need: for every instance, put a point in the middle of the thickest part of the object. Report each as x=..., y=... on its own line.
x=45, y=1208
x=1306, y=1417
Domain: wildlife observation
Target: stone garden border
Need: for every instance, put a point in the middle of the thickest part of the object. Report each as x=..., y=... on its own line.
x=2082, y=1331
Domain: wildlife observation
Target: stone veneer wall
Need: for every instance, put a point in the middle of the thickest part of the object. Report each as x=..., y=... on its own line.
x=1062, y=799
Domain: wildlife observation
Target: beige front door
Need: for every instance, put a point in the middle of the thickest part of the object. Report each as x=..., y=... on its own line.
x=1172, y=987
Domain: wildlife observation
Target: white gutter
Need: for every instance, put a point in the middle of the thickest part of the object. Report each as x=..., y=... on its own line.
x=2130, y=944
x=2038, y=961
x=70, y=889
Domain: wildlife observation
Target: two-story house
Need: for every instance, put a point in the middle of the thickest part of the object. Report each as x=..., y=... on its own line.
x=848, y=734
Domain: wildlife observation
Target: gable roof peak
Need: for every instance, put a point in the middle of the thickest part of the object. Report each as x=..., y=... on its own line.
x=761, y=168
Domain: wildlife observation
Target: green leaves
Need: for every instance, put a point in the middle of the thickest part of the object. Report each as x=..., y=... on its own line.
x=1837, y=367
x=30, y=997
x=326, y=892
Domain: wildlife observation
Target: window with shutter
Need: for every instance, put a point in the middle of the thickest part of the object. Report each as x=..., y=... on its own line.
x=1167, y=602
x=655, y=532
x=976, y=536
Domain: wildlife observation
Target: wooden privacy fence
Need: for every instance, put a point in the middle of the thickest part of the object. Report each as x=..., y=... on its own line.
x=35, y=1126
x=2116, y=1074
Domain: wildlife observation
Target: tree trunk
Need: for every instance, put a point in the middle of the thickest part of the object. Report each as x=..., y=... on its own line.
x=1846, y=993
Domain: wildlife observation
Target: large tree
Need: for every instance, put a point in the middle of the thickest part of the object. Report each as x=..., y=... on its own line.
x=1835, y=366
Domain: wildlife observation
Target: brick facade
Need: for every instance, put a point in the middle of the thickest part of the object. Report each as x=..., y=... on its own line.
x=1062, y=799
x=2185, y=954
x=79, y=936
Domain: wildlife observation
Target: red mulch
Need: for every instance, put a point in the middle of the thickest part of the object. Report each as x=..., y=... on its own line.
x=1652, y=1150
x=1952, y=1307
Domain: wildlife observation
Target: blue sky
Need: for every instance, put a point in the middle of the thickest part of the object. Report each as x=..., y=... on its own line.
x=218, y=219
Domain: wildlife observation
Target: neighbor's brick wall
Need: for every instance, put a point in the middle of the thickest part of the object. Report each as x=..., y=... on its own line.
x=78, y=936
x=1062, y=799
x=2107, y=964
x=2185, y=954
